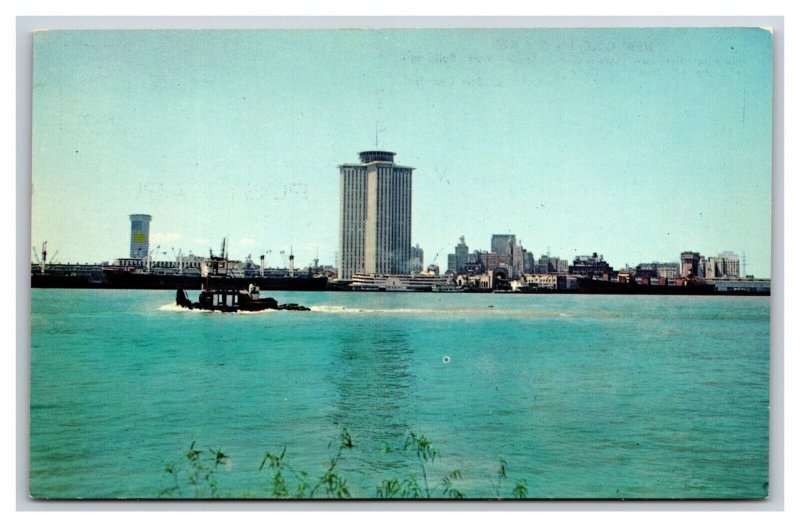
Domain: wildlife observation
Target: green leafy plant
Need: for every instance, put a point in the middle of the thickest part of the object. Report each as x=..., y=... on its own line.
x=331, y=482
x=501, y=475
x=447, y=483
x=201, y=473
x=334, y=484
x=520, y=490
x=409, y=487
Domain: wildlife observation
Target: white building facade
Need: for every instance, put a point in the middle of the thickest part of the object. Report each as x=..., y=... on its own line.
x=374, y=216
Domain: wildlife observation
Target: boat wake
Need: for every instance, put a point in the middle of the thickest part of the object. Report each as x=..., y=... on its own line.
x=174, y=308
x=476, y=311
x=346, y=310
x=369, y=311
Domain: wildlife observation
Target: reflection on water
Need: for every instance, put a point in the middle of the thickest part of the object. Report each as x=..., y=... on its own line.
x=374, y=383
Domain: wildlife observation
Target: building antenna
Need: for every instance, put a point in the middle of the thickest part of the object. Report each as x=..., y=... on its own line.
x=376, y=135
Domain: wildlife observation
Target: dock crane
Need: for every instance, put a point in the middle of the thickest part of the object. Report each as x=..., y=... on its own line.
x=42, y=262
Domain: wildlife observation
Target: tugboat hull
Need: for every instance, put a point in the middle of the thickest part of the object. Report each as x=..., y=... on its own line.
x=231, y=301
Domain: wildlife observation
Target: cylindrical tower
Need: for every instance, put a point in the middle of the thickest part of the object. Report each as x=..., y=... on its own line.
x=140, y=235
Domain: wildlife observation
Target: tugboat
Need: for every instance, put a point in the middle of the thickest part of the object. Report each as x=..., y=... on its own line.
x=220, y=293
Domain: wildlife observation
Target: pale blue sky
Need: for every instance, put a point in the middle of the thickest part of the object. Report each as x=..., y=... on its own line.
x=635, y=143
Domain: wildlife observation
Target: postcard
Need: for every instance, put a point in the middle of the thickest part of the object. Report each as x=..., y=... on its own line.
x=443, y=264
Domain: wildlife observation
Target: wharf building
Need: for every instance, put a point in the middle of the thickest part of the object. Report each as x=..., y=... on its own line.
x=591, y=267
x=140, y=235
x=692, y=264
x=726, y=265
x=374, y=216
x=668, y=270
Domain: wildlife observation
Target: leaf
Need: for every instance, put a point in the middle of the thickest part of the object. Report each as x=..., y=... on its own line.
x=346, y=440
x=501, y=472
x=219, y=456
x=521, y=489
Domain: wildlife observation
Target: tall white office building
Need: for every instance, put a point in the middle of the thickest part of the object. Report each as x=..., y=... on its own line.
x=374, y=216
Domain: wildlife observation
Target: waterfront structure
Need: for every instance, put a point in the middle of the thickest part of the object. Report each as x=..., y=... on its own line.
x=725, y=265
x=535, y=282
x=424, y=282
x=692, y=264
x=140, y=235
x=714, y=267
x=590, y=266
x=669, y=270
x=734, y=285
x=730, y=263
x=374, y=216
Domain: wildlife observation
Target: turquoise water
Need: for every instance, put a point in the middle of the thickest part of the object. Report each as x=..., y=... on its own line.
x=582, y=396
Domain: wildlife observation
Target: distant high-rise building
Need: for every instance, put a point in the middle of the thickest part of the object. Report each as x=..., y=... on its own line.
x=713, y=267
x=730, y=264
x=529, y=265
x=551, y=265
x=140, y=235
x=374, y=216
x=503, y=243
x=417, y=263
x=451, y=263
x=725, y=265
x=457, y=262
x=517, y=259
x=491, y=260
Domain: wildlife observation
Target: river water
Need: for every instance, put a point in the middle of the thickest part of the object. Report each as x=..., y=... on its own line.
x=581, y=396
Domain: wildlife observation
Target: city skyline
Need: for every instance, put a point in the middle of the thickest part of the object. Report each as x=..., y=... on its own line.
x=635, y=143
